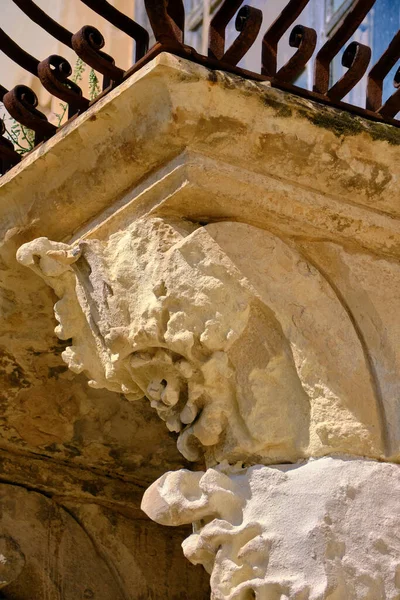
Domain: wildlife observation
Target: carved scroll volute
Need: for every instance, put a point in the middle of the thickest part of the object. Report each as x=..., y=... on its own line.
x=167, y=19
x=376, y=78
x=248, y=24
x=193, y=360
x=268, y=533
x=303, y=38
x=356, y=57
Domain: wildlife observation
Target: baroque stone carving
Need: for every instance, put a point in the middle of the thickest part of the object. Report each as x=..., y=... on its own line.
x=246, y=350
x=262, y=347
x=239, y=343
x=325, y=529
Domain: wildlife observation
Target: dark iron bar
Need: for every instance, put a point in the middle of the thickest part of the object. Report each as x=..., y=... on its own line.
x=122, y=22
x=275, y=33
x=350, y=23
x=17, y=54
x=53, y=73
x=379, y=72
x=38, y=16
x=167, y=20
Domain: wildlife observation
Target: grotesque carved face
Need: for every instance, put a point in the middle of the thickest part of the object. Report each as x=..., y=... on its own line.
x=219, y=327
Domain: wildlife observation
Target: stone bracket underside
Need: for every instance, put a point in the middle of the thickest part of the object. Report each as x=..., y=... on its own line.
x=202, y=189
x=239, y=341
x=240, y=272
x=172, y=106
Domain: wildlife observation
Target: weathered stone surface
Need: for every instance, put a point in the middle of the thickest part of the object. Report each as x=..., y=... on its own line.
x=369, y=290
x=339, y=167
x=46, y=554
x=47, y=410
x=324, y=529
x=231, y=252
x=80, y=551
x=241, y=345
x=147, y=559
x=12, y=561
x=179, y=141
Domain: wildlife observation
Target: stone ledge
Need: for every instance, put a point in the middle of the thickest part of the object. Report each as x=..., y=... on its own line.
x=202, y=189
x=178, y=141
x=172, y=105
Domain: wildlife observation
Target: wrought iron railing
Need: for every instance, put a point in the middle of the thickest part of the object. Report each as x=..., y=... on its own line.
x=167, y=19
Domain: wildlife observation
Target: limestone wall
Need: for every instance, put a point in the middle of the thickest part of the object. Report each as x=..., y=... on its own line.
x=199, y=294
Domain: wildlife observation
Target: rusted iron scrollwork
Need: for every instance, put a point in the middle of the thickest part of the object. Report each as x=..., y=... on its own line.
x=8, y=156
x=248, y=24
x=87, y=43
x=377, y=76
x=167, y=20
x=17, y=54
x=303, y=38
x=122, y=22
x=53, y=73
x=392, y=105
x=21, y=103
x=356, y=57
x=218, y=25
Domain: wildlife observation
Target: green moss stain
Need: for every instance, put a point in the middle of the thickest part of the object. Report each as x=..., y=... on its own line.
x=388, y=133
x=286, y=105
x=281, y=109
x=339, y=123
x=345, y=124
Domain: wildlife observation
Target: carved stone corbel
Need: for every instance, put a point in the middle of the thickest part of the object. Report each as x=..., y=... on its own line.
x=239, y=343
x=244, y=278
x=247, y=351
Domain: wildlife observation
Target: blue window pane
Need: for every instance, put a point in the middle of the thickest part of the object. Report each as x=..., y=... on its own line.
x=337, y=4
x=386, y=25
x=377, y=31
